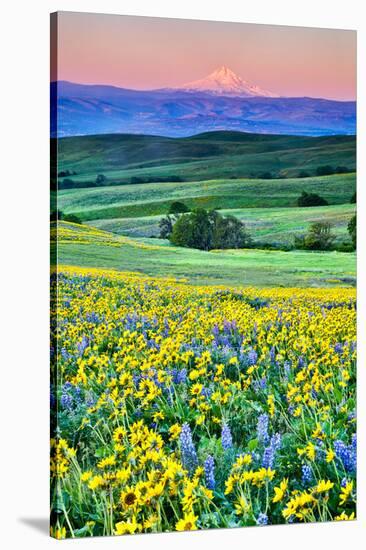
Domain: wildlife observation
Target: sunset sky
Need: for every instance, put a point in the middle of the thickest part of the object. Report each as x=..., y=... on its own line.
x=147, y=53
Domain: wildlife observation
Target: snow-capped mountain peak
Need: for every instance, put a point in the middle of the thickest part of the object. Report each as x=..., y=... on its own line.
x=223, y=81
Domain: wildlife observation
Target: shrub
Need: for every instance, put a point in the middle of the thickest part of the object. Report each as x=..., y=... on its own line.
x=100, y=179
x=342, y=170
x=304, y=174
x=326, y=170
x=265, y=176
x=311, y=199
x=59, y=215
x=67, y=183
x=318, y=237
x=72, y=218
x=353, y=198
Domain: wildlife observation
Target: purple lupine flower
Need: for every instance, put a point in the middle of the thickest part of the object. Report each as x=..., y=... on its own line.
x=262, y=428
x=66, y=401
x=262, y=519
x=206, y=392
x=260, y=385
x=287, y=368
x=189, y=455
x=226, y=438
x=65, y=354
x=252, y=357
x=344, y=482
x=82, y=345
x=346, y=454
x=307, y=474
x=182, y=376
x=209, y=466
x=269, y=454
x=338, y=348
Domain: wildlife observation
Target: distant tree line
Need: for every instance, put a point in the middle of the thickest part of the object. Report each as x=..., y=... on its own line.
x=65, y=180
x=69, y=183
x=326, y=170
x=156, y=179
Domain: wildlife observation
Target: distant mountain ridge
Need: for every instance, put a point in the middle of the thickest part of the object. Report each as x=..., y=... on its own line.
x=83, y=109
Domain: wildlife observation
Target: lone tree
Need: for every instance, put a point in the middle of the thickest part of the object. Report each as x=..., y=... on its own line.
x=318, y=237
x=206, y=230
x=352, y=230
x=311, y=199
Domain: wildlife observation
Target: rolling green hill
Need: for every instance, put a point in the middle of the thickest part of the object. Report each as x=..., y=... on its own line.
x=121, y=157
x=141, y=200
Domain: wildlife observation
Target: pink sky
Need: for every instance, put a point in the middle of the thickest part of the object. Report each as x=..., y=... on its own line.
x=147, y=53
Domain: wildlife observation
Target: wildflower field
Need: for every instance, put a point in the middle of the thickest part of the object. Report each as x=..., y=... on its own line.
x=182, y=407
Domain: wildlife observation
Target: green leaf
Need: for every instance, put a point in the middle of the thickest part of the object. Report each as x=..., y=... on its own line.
x=253, y=444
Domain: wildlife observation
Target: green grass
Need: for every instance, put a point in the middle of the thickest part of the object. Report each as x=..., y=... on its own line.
x=82, y=247
x=141, y=200
x=206, y=156
x=269, y=225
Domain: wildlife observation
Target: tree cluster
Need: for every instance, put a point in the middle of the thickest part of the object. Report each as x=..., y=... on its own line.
x=205, y=230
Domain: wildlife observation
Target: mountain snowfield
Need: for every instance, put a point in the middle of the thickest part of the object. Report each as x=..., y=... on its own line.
x=223, y=81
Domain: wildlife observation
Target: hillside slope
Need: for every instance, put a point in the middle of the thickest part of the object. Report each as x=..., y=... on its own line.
x=211, y=155
x=149, y=199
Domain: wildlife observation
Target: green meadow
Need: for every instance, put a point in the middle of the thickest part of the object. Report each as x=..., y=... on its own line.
x=83, y=246
x=218, y=173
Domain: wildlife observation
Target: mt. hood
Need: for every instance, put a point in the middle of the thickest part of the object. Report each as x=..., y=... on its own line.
x=223, y=81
